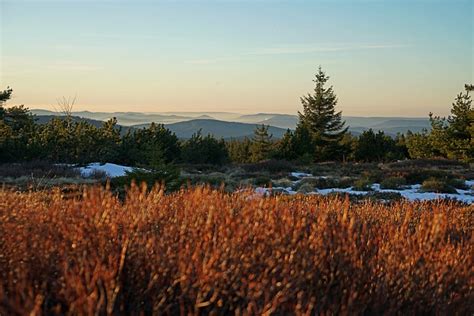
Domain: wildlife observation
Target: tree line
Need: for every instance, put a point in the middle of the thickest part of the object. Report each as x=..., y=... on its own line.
x=320, y=135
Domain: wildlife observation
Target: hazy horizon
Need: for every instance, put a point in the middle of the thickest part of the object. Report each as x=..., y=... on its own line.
x=75, y=110
x=385, y=58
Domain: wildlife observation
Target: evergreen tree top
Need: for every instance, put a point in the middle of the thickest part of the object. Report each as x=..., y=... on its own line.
x=319, y=110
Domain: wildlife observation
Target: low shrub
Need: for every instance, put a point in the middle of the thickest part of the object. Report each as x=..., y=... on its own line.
x=437, y=185
x=418, y=176
x=284, y=182
x=427, y=163
x=38, y=169
x=317, y=182
x=166, y=174
x=306, y=188
x=207, y=252
x=393, y=183
x=344, y=182
x=262, y=181
x=458, y=184
x=271, y=165
x=97, y=174
x=362, y=184
x=384, y=196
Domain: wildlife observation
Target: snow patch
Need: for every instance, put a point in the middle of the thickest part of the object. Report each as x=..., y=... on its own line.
x=300, y=174
x=411, y=193
x=112, y=170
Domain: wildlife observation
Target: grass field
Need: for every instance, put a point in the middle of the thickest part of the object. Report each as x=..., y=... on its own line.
x=203, y=251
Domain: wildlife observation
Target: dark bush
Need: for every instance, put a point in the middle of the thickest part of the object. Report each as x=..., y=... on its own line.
x=271, y=165
x=262, y=181
x=38, y=169
x=418, y=176
x=167, y=175
x=393, y=183
x=362, y=184
x=437, y=185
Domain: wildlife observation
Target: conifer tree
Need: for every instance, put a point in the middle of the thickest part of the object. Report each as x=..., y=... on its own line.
x=320, y=118
x=460, y=120
x=261, y=144
x=285, y=146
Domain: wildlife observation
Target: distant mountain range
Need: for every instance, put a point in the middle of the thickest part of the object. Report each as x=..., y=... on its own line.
x=235, y=125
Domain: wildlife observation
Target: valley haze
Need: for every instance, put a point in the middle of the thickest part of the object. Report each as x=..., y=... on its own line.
x=236, y=125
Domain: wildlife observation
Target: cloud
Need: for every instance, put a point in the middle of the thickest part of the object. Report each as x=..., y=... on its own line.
x=73, y=66
x=295, y=49
x=303, y=49
x=26, y=65
x=207, y=61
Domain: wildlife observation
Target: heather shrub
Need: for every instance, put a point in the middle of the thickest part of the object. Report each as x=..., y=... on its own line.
x=394, y=183
x=362, y=184
x=305, y=188
x=437, y=185
x=203, y=251
x=262, y=181
x=418, y=176
x=271, y=165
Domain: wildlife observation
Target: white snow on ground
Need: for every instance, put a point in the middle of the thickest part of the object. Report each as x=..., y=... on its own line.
x=300, y=174
x=112, y=170
x=411, y=193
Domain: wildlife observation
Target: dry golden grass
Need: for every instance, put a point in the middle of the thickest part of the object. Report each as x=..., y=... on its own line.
x=201, y=251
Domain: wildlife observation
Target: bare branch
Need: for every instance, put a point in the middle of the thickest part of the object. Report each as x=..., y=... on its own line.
x=66, y=105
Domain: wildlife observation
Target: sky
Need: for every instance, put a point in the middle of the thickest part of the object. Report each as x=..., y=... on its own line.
x=384, y=58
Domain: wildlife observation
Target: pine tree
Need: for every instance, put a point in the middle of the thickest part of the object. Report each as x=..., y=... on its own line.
x=460, y=121
x=285, y=146
x=458, y=135
x=239, y=150
x=321, y=119
x=261, y=144
x=5, y=95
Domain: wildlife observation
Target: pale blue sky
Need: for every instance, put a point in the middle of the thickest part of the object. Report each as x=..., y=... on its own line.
x=385, y=58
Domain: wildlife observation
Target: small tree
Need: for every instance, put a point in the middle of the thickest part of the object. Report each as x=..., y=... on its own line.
x=261, y=144
x=378, y=147
x=204, y=150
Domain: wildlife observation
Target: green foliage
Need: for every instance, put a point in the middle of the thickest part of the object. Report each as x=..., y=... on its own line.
x=199, y=149
x=262, y=180
x=419, y=145
x=261, y=145
x=62, y=140
x=17, y=129
x=271, y=165
x=320, y=119
x=437, y=185
x=318, y=182
x=284, y=148
x=450, y=137
x=4, y=96
x=160, y=174
x=148, y=145
x=379, y=147
x=393, y=183
x=305, y=188
x=239, y=150
x=420, y=175
x=362, y=184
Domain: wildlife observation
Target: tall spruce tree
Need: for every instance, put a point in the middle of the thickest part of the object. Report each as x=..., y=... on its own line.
x=320, y=118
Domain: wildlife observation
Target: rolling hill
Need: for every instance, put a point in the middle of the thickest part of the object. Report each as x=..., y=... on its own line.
x=229, y=125
x=219, y=129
